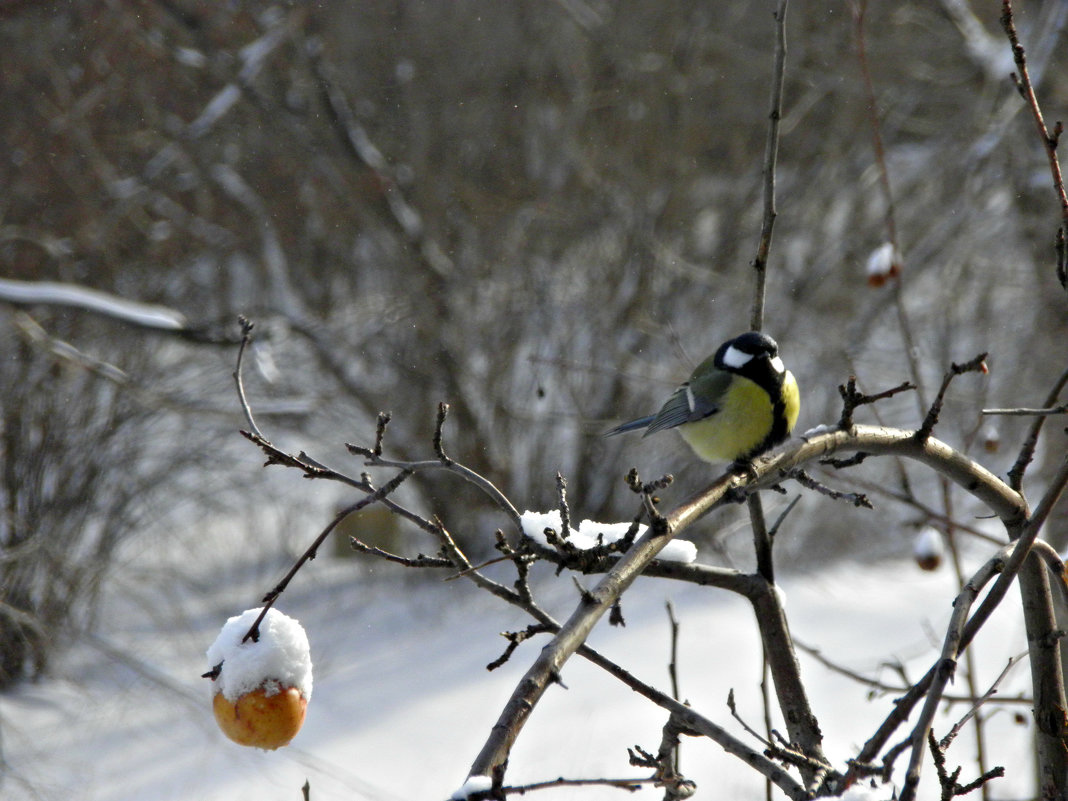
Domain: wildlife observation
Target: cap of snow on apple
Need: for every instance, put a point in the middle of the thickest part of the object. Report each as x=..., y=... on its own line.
x=261, y=687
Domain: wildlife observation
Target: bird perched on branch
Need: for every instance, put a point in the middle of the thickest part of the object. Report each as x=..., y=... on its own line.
x=738, y=403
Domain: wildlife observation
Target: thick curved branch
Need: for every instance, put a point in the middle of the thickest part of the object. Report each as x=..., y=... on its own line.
x=977, y=480
x=1002, y=500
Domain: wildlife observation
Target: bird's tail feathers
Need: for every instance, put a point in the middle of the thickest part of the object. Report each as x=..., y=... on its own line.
x=633, y=425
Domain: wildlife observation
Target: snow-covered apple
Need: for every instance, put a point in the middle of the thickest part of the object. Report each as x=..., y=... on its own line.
x=261, y=686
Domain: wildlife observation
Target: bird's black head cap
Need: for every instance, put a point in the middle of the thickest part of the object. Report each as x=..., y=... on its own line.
x=753, y=343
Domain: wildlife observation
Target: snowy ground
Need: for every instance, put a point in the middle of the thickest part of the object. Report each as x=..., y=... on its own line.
x=402, y=702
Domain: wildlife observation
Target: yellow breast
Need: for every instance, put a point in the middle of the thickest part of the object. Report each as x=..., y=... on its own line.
x=792, y=397
x=745, y=420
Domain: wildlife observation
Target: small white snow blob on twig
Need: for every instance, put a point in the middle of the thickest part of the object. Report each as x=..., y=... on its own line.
x=474, y=784
x=261, y=687
x=883, y=264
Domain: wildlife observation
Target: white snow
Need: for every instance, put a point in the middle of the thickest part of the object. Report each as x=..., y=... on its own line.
x=281, y=657
x=815, y=431
x=149, y=315
x=881, y=261
x=403, y=702
x=589, y=534
x=928, y=544
x=861, y=792
x=475, y=784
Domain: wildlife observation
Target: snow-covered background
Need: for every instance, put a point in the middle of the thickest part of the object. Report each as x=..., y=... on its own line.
x=539, y=219
x=403, y=702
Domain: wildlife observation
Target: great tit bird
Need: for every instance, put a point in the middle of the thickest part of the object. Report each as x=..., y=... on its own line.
x=738, y=403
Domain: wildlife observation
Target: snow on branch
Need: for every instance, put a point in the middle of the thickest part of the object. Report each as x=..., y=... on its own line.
x=132, y=312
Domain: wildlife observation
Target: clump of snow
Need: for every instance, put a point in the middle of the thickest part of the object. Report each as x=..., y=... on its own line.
x=883, y=264
x=50, y=292
x=281, y=657
x=927, y=548
x=823, y=428
x=860, y=792
x=588, y=534
x=474, y=784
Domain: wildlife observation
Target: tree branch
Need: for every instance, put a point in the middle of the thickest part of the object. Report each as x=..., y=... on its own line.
x=982, y=484
x=1022, y=80
x=771, y=153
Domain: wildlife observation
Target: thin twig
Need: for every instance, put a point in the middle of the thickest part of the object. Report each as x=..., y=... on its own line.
x=416, y=561
x=984, y=698
x=1023, y=412
x=976, y=365
x=310, y=553
x=805, y=480
x=466, y=473
x=927, y=511
x=905, y=327
x=771, y=151
x=565, y=511
x=1049, y=138
x=514, y=639
x=438, y=443
x=852, y=398
x=380, y=431
x=673, y=665
x=894, y=689
x=1027, y=449
x=949, y=782
x=630, y=785
x=673, y=673
x=764, y=741
x=774, y=530
x=246, y=339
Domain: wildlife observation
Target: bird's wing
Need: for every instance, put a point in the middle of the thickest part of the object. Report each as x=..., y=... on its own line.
x=692, y=401
x=682, y=407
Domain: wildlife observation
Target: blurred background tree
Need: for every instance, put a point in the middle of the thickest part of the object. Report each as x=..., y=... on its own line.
x=541, y=213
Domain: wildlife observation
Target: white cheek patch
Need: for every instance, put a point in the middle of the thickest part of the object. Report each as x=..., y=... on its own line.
x=736, y=359
x=777, y=365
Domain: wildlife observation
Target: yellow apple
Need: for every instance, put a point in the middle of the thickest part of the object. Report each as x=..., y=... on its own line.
x=267, y=717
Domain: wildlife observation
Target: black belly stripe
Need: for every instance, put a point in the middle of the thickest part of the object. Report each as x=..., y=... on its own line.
x=773, y=386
